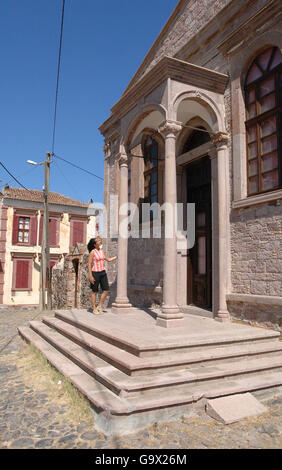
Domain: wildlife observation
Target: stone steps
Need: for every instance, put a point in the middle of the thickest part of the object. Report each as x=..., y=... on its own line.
x=105, y=328
x=84, y=355
x=133, y=365
x=135, y=373
x=105, y=400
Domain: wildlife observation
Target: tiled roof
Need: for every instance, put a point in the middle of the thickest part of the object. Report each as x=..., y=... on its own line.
x=37, y=196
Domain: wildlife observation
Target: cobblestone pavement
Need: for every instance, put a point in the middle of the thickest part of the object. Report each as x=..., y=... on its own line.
x=34, y=415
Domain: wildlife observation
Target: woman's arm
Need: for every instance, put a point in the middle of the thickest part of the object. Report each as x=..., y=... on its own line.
x=110, y=259
x=90, y=263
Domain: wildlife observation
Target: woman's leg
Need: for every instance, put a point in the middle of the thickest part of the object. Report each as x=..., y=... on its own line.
x=103, y=298
x=93, y=295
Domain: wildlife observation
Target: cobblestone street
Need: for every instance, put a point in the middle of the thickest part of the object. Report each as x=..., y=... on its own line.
x=34, y=415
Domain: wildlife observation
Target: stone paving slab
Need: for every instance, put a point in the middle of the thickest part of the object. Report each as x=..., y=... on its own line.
x=38, y=418
x=234, y=408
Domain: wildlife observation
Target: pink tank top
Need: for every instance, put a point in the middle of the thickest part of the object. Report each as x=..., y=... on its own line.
x=98, y=260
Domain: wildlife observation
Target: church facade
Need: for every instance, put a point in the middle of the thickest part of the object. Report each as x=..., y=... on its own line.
x=200, y=124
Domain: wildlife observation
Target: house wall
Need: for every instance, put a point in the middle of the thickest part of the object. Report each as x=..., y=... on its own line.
x=13, y=296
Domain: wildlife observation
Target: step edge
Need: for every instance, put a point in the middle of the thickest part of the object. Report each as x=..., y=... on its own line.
x=143, y=364
x=123, y=408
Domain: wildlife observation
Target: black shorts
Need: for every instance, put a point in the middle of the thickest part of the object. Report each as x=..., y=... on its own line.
x=100, y=278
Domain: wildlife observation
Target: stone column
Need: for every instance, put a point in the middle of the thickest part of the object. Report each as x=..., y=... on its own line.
x=170, y=315
x=220, y=140
x=121, y=304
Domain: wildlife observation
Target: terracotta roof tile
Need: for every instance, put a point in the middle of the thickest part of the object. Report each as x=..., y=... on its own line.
x=37, y=196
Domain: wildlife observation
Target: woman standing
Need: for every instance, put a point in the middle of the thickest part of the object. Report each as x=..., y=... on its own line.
x=97, y=272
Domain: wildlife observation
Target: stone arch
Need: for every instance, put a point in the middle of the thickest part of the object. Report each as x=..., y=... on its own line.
x=144, y=111
x=187, y=131
x=212, y=115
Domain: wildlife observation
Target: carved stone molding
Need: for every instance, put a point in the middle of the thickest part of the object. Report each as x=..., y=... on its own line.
x=107, y=149
x=220, y=139
x=122, y=159
x=170, y=128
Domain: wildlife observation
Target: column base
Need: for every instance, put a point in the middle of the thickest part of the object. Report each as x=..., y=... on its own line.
x=223, y=316
x=172, y=323
x=121, y=306
x=170, y=317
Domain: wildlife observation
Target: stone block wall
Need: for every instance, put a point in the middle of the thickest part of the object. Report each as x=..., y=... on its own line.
x=256, y=250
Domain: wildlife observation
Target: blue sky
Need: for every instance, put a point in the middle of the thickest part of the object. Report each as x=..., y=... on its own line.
x=104, y=43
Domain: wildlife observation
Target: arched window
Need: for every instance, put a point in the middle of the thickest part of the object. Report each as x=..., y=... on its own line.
x=150, y=170
x=263, y=97
x=196, y=138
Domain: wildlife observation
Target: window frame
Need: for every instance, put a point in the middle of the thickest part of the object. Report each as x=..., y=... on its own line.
x=259, y=118
x=151, y=171
x=16, y=258
x=24, y=230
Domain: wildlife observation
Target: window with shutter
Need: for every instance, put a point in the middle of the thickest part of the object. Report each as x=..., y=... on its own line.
x=54, y=234
x=22, y=274
x=78, y=232
x=78, y=229
x=24, y=230
x=53, y=226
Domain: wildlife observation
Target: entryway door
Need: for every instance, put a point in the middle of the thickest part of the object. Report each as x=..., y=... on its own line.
x=199, y=288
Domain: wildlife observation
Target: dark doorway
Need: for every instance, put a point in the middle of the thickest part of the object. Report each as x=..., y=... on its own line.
x=75, y=267
x=200, y=256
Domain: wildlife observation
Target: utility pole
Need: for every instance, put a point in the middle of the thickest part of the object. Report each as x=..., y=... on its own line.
x=46, y=226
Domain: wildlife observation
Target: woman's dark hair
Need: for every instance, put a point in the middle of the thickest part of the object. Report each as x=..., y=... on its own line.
x=91, y=245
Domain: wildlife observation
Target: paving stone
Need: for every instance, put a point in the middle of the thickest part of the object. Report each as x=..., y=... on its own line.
x=42, y=444
x=22, y=443
x=90, y=435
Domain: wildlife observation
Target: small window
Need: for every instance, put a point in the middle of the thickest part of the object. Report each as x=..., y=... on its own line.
x=263, y=92
x=24, y=230
x=151, y=170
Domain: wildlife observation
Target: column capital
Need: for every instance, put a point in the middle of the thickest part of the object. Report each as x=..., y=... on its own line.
x=122, y=158
x=220, y=139
x=170, y=128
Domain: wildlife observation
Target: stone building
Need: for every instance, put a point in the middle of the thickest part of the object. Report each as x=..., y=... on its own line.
x=71, y=222
x=200, y=122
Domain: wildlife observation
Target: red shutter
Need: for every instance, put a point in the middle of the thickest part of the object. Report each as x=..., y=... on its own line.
x=33, y=230
x=53, y=232
x=22, y=272
x=78, y=232
x=15, y=229
x=40, y=230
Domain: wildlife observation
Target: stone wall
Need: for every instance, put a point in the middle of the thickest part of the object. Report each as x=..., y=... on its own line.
x=59, y=285
x=256, y=250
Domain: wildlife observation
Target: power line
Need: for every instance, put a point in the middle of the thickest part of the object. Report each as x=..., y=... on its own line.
x=76, y=166
x=14, y=178
x=58, y=76
x=66, y=179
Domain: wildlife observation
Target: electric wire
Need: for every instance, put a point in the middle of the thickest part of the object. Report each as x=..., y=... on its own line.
x=58, y=76
x=76, y=166
x=66, y=179
x=14, y=178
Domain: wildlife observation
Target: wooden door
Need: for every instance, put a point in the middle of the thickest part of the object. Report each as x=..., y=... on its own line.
x=200, y=256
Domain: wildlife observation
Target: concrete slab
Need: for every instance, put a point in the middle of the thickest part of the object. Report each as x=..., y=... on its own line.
x=234, y=408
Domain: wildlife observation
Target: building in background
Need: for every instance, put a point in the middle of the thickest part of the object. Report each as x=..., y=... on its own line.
x=71, y=222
